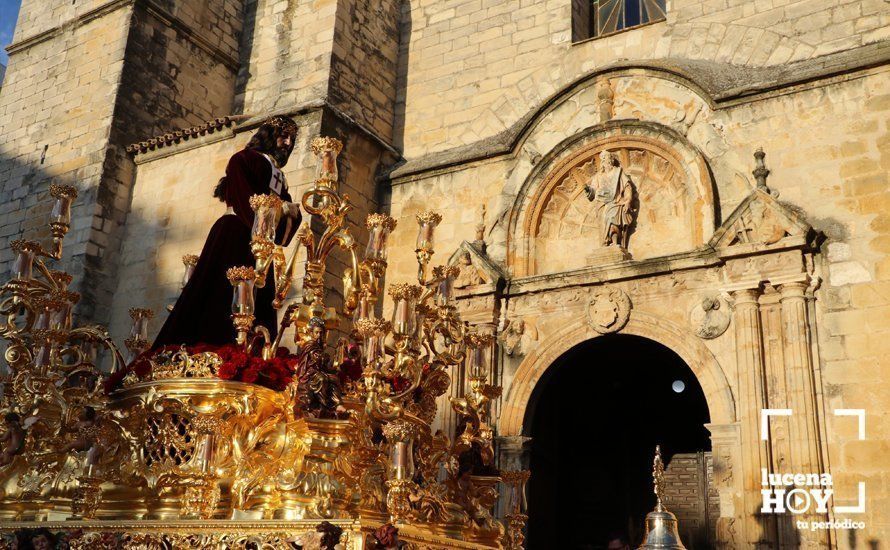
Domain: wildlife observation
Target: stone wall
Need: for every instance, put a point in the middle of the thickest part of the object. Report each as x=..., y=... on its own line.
x=365, y=63
x=836, y=179
x=485, y=103
x=286, y=54
x=56, y=109
x=86, y=80
x=182, y=60
x=342, y=53
x=476, y=67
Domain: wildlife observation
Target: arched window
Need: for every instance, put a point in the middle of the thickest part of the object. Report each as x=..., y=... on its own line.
x=592, y=18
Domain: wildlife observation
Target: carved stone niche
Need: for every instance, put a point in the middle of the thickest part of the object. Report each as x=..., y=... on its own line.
x=673, y=205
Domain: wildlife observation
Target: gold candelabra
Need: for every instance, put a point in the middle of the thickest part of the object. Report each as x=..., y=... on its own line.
x=174, y=437
x=405, y=360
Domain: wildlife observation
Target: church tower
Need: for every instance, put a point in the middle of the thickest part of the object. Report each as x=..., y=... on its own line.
x=86, y=78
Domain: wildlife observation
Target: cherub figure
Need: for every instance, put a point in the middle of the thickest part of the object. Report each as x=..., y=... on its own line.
x=87, y=438
x=318, y=382
x=13, y=440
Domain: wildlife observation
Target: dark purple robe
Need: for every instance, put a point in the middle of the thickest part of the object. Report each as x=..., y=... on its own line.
x=202, y=312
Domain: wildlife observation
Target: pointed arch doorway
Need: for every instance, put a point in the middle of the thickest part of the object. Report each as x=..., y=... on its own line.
x=594, y=418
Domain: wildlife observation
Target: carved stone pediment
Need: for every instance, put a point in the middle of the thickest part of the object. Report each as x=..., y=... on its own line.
x=761, y=223
x=480, y=270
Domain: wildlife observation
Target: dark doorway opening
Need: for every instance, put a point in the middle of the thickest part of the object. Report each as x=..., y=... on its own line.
x=594, y=419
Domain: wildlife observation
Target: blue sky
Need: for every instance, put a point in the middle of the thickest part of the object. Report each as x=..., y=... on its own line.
x=9, y=10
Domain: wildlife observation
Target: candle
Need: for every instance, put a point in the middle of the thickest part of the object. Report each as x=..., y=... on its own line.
x=64, y=195
x=445, y=289
x=478, y=354
x=326, y=150
x=373, y=331
x=379, y=227
x=403, y=317
x=242, y=280
x=189, y=261
x=140, y=317
x=267, y=211
x=23, y=267
x=427, y=222
x=400, y=434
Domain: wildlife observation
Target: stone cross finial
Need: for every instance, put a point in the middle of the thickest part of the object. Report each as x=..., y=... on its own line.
x=760, y=171
x=480, y=227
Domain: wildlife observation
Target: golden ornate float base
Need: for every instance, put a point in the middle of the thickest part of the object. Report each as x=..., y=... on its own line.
x=217, y=534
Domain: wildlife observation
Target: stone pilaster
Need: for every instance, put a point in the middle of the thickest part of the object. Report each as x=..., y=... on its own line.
x=726, y=452
x=804, y=429
x=513, y=453
x=759, y=529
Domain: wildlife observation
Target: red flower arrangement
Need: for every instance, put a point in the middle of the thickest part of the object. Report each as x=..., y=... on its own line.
x=275, y=373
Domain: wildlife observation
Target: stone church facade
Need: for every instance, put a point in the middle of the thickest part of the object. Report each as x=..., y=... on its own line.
x=756, y=135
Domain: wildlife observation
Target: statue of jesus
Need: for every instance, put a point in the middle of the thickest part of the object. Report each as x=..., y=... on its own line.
x=613, y=194
x=201, y=315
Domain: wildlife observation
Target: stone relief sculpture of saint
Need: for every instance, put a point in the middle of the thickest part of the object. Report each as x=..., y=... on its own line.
x=614, y=195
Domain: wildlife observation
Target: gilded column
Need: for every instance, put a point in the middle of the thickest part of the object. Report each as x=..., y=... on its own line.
x=760, y=529
x=806, y=456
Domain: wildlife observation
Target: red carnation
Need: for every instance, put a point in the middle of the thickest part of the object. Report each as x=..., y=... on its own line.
x=400, y=384
x=227, y=371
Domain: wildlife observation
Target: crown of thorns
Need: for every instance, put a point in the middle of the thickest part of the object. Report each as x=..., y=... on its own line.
x=283, y=123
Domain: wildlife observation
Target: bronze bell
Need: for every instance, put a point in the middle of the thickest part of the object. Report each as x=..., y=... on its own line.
x=661, y=525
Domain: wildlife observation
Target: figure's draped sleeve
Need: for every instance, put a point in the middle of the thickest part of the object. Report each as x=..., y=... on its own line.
x=239, y=190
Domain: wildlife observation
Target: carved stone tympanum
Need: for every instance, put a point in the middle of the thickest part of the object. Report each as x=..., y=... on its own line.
x=613, y=197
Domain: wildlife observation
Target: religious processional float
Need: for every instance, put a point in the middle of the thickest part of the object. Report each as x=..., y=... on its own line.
x=248, y=445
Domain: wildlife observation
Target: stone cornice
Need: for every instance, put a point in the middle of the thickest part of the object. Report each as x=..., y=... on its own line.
x=189, y=137
x=721, y=85
x=151, y=7
x=630, y=269
x=180, y=136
